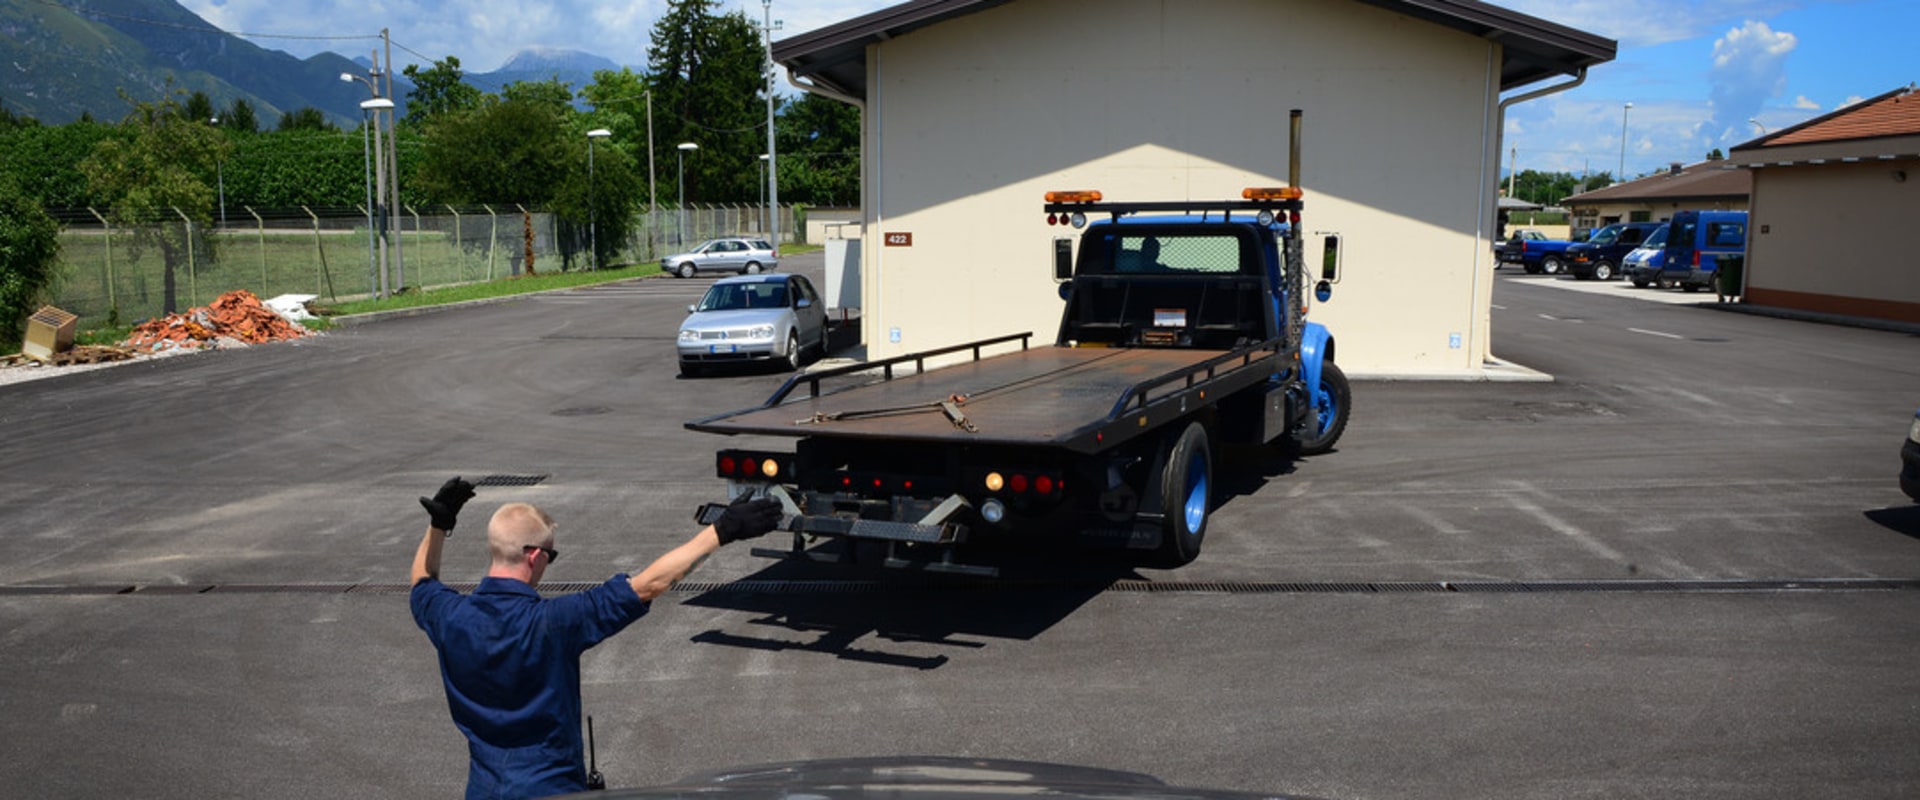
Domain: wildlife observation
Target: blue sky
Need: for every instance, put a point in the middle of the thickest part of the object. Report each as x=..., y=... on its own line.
x=1695, y=70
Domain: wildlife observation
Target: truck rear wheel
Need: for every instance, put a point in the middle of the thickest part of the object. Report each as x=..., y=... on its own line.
x=1186, y=496
x=1332, y=404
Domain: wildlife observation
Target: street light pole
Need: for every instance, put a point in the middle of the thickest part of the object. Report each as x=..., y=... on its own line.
x=773, y=174
x=653, y=201
x=1622, y=176
x=767, y=215
x=382, y=289
x=220, y=177
x=366, y=159
x=683, y=147
x=1756, y=123
x=593, y=207
x=377, y=191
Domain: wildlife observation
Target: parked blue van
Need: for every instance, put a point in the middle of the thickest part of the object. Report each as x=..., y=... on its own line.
x=1647, y=259
x=1695, y=242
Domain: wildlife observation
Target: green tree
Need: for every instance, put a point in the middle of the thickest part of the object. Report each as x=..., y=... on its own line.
x=29, y=249
x=819, y=152
x=241, y=117
x=708, y=77
x=440, y=89
x=198, y=107
x=1715, y=154
x=154, y=174
x=306, y=118
x=45, y=161
x=553, y=94
x=504, y=151
x=619, y=103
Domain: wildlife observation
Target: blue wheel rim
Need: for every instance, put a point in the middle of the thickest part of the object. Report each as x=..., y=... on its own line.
x=1326, y=407
x=1195, y=509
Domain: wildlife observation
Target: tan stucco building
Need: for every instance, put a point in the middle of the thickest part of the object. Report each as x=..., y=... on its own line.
x=1705, y=186
x=1834, y=200
x=973, y=110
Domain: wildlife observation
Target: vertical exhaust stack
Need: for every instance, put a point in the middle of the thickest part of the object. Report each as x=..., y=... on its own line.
x=1293, y=148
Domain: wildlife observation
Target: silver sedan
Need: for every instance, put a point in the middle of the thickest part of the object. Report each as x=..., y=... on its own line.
x=777, y=318
x=734, y=254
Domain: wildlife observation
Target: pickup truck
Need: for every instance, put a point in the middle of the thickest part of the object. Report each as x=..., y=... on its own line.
x=1183, y=332
x=1533, y=251
x=1599, y=257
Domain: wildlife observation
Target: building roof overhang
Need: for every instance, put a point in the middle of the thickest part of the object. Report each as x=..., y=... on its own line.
x=835, y=57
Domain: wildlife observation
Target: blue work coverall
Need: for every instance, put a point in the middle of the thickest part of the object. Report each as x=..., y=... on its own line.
x=510, y=660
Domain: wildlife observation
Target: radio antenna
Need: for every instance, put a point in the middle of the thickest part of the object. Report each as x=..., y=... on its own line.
x=595, y=781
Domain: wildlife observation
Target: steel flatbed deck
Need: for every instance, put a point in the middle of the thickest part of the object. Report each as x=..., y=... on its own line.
x=1083, y=399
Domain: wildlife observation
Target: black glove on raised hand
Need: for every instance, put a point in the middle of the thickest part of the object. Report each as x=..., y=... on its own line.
x=746, y=519
x=444, y=508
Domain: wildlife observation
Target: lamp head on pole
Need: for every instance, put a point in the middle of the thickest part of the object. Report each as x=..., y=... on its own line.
x=376, y=104
x=599, y=133
x=687, y=146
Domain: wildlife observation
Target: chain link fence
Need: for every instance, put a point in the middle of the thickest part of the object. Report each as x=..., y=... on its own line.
x=110, y=273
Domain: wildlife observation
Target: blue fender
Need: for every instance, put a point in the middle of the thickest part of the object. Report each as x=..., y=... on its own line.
x=1315, y=342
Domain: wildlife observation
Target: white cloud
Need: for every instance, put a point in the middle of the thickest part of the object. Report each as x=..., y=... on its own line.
x=1641, y=23
x=1749, y=66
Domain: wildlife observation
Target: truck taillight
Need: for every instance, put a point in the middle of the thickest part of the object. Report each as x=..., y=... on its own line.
x=1020, y=483
x=747, y=465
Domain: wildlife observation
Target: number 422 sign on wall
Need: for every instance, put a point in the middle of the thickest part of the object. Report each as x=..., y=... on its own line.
x=899, y=239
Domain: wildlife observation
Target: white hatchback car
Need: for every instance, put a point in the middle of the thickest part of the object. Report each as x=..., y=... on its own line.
x=745, y=256
x=753, y=318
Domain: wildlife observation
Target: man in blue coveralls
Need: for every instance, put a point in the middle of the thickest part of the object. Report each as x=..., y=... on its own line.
x=511, y=659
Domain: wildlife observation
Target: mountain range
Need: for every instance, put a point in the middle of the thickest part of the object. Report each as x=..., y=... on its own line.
x=60, y=61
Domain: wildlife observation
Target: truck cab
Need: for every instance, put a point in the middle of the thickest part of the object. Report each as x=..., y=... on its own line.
x=1171, y=282
x=1600, y=256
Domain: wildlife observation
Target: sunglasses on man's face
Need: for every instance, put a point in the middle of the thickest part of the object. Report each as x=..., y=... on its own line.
x=552, y=554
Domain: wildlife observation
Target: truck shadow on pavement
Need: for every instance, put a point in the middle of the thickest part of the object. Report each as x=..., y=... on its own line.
x=845, y=609
x=1899, y=519
x=849, y=611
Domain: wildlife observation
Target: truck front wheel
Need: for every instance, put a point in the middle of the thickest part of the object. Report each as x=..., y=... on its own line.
x=1552, y=265
x=1186, y=496
x=1332, y=403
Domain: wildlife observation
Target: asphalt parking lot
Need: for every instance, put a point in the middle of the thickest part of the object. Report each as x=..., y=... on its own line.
x=1681, y=568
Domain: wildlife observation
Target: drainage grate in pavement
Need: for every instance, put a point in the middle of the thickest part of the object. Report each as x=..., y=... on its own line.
x=510, y=480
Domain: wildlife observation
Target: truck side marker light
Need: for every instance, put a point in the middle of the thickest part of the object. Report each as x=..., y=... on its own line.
x=770, y=468
x=995, y=481
x=1271, y=193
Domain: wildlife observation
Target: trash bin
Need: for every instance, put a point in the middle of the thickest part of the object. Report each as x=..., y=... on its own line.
x=49, y=331
x=1726, y=274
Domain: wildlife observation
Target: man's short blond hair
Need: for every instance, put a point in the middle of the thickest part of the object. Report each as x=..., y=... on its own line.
x=514, y=527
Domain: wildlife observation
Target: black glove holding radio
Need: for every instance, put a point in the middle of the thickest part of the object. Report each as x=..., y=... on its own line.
x=444, y=508
x=747, y=519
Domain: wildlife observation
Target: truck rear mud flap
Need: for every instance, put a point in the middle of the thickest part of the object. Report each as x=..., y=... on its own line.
x=926, y=544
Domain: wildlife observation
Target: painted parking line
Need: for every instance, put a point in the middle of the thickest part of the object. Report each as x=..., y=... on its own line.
x=1661, y=334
